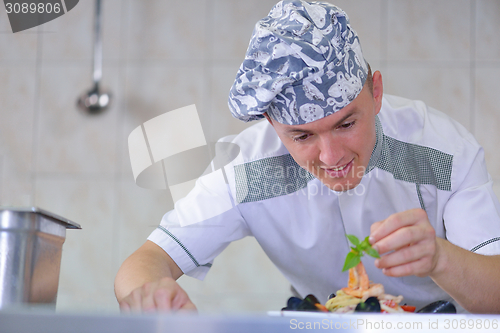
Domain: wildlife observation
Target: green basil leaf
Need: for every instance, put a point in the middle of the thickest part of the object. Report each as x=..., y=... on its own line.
x=356, y=251
x=372, y=252
x=365, y=244
x=351, y=261
x=353, y=239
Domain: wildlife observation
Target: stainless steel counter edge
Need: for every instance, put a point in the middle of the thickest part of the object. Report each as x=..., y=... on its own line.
x=36, y=210
x=42, y=322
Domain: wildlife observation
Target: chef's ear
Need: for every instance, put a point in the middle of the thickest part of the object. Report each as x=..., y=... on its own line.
x=377, y=90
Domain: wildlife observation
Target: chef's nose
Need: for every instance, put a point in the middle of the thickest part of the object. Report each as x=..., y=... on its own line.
x=331, y=151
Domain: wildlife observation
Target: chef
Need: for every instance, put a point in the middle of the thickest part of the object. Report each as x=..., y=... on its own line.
x=332, y=156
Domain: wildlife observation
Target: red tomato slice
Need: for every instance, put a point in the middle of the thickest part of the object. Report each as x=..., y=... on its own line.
x=408, y=308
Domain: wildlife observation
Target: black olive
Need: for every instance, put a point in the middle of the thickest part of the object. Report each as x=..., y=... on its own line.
x=312, y=299
x=293, y=303
x=439, y=307
x=305, y=305
x=370, y=305
x=308, y=303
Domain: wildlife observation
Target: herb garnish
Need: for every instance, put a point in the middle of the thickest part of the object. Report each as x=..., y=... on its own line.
x=353, y=258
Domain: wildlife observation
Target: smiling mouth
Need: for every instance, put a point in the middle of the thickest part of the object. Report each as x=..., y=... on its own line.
x=340, y=168
x=339, y=172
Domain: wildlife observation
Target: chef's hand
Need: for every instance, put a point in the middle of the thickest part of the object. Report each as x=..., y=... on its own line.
x=164, y=295
x=409, y=243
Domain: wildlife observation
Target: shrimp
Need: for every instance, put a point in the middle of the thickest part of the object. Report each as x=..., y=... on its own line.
x=359, y=285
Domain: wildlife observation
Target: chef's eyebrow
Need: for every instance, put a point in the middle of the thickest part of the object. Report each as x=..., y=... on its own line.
x=298, y=130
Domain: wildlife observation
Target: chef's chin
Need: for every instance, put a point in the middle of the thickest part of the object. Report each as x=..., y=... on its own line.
x=341, y=186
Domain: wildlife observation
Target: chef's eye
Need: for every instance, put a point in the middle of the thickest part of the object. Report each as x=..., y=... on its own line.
x=347, y=125
x=301, y=138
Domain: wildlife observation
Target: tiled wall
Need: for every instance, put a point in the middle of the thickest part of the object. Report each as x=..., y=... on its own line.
x=160, y=55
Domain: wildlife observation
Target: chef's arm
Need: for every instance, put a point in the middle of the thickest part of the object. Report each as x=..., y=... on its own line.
x=146, y=282
x=470, y=278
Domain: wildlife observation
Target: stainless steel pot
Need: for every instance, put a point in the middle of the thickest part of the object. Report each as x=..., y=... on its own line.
x=31, y=242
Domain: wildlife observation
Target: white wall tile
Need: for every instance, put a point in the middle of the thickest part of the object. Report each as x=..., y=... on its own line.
x=488, y=116
x=69, y=140
x=487, y=30
x=234, y=22
x=113, y=29
x=139, y=212
x=153, y=90
x=167, y=30
x=447, y=89
x=19, y=46
x=378, y=65
x=87, y=274
x=69, y=37
x=366, y=19
x=222, y=123
x=17, y=93
x=429, y=30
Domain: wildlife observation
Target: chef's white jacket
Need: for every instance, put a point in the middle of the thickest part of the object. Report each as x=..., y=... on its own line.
x=422, y=158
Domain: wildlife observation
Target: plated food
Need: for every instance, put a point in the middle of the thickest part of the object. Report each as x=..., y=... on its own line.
x=365, y=296
x=362, y=295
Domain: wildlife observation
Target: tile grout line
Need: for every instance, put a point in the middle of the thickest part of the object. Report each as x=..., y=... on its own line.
x=384, y=34
x=1, y=179
x=36, y=114
x=208, y=89
x=76, y=176
x=472, y=111
x=116, y=236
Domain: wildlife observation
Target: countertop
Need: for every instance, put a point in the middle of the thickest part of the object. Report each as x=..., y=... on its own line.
x=15, y=321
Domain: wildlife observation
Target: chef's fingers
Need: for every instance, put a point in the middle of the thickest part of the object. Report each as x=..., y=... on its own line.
x=396, y=222
x=161, y=296
x=374, y=227
x=124, y=307
x=134, y=301
x=407, y=254
x=163, y=299
x=181, y=301
x=406, y=236
x=169, y=296
x=149, y=292
x=151, y=297
x=420, y=267
x=189, y=306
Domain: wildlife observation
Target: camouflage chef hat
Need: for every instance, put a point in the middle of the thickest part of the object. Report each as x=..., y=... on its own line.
x=304, y=62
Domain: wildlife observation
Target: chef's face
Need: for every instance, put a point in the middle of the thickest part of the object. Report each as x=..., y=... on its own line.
x=336, y=149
